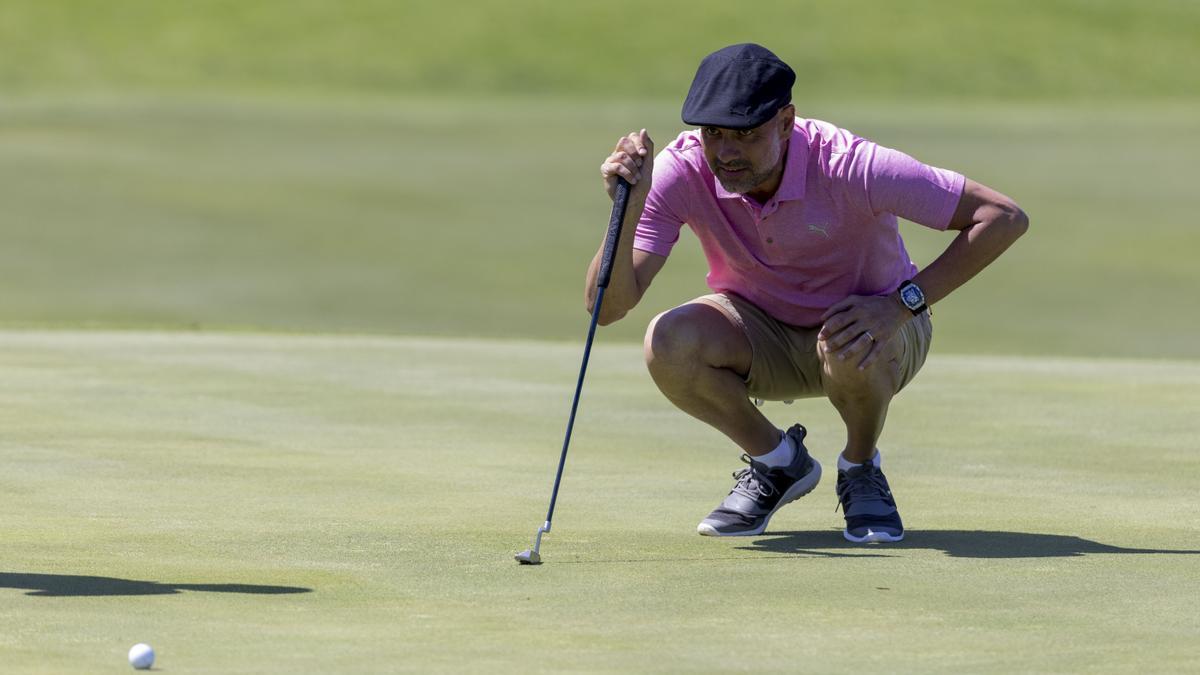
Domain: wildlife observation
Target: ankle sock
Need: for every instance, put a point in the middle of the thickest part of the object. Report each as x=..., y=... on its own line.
x=844, y=465
x=781, y=456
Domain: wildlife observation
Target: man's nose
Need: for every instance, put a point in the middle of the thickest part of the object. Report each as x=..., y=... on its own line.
x=727, y=153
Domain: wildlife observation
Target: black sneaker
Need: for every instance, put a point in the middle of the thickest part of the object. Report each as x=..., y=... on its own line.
x=761, y=490
x=870, y=509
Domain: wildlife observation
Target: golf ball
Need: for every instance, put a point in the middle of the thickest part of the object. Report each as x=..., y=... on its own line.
x=141, y=656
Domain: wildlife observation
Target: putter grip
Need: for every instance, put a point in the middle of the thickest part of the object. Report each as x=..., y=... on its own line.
x=620, y=201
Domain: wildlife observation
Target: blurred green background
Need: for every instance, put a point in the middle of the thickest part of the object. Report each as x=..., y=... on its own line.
x=432, y=168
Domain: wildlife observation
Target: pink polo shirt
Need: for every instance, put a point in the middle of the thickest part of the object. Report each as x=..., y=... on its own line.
x=829, y=232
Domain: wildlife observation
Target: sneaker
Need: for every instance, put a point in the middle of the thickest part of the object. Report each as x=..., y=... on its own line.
x=761, y=490
x=866, y=499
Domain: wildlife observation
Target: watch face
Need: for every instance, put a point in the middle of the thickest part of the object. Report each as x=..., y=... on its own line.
x=912, y=297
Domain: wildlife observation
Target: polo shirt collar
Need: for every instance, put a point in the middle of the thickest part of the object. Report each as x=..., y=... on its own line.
x=795, y=171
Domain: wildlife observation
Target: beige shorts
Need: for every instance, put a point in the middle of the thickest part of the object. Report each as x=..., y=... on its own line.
x=785, y=364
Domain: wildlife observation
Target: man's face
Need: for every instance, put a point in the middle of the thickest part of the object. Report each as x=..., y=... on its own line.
x=750, y=161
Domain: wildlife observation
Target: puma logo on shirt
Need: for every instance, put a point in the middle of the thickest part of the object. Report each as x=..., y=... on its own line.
x=819, y=228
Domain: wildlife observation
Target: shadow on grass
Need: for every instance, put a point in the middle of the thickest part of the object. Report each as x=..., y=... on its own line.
x=714, y=558
x=954, y=543
x=71, y=585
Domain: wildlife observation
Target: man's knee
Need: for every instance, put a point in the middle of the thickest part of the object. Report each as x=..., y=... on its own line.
x=674, y=335
x=844, y=378
x=693, y=334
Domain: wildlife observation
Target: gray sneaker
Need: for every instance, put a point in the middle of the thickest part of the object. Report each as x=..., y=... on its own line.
x=761, y=490
x=866, y=499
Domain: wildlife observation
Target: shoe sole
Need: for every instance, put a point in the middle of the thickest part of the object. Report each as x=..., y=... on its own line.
x=872, y=537
x=800, y=488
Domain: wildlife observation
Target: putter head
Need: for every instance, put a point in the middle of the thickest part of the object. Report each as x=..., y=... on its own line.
x=529, y=557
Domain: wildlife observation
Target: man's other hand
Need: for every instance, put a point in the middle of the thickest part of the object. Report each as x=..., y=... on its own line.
x=858, y=327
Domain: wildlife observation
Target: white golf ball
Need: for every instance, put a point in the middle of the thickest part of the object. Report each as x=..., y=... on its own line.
x=141, y=656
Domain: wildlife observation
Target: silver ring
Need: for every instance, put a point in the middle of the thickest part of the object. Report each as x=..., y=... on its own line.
x=869, y=336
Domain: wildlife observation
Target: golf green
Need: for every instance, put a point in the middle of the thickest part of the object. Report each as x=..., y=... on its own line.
x=257, y=503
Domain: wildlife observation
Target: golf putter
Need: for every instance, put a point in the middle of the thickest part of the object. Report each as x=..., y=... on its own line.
x=620, y=201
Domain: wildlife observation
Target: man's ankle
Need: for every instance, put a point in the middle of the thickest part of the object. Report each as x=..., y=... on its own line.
x=845, y=464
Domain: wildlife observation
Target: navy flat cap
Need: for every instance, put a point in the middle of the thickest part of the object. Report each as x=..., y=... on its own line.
x=738, y=87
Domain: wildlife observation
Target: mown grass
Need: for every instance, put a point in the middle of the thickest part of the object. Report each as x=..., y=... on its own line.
x=257, y=504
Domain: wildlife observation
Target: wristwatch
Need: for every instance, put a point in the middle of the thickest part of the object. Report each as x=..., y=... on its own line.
x=913, y=297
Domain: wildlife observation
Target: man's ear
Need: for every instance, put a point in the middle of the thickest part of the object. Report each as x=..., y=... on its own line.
x=787, y=120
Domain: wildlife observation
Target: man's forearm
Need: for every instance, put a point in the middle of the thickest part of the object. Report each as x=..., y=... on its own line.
x=972, y=250
x=623, y=291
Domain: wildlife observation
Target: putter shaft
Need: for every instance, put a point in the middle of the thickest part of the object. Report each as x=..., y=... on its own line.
x=620, y=202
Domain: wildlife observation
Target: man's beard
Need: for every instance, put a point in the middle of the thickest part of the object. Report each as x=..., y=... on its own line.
x=747, y=179
x=744, y=181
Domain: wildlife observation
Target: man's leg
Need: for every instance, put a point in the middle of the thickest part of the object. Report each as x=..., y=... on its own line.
x=699, y=357
x=861, y=398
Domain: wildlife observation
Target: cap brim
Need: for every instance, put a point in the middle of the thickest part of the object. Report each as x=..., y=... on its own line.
x=727, y=119
x=737, y=122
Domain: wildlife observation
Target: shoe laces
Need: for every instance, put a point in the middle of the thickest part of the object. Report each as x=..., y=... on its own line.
x=869, y=483
x=752, y=483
